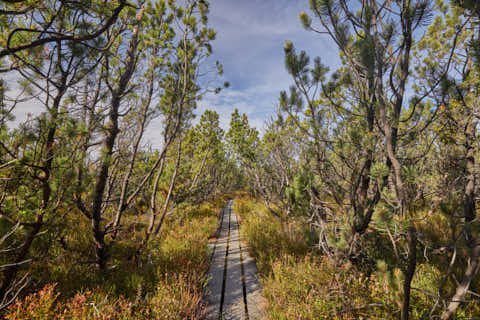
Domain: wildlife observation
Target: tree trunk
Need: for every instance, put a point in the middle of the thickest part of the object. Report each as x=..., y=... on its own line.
x=473, y=268
x=473, y=262
x=170, y=189
x=49, y=154
x=469, y=195
x=112, y=132
x=409, y=272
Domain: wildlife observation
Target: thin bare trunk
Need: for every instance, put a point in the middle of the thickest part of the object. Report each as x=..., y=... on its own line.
x=123, y=203
x=473, y=261
x=409, y=272
x=472, y=269
x=195, y=179
x=170, y=189
x=469, y=193
x=153, y=203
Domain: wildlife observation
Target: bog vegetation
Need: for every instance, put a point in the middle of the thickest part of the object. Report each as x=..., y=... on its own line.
x=359, y=200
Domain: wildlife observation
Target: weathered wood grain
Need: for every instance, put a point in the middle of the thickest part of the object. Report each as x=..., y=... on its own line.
x=233, y=305
x=255, y=300
x=217, y=266
x=236, y=286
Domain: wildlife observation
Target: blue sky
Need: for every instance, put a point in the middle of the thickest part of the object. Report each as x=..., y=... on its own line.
x=249, y=44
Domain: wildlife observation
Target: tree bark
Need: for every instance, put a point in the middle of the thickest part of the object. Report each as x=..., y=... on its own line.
x=472, y=269
x=170, y=189
x=409, y=272
x=469, y=208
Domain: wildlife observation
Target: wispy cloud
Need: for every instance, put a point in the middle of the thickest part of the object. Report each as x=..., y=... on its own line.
x=250, y=40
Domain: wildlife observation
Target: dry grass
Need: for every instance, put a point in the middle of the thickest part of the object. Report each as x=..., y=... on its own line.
x=167, y=281
x=299, y=283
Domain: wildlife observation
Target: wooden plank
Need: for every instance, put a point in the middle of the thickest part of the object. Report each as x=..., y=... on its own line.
x=255, y=300
x=233, y=305
x=217, y=265
x=237, y=283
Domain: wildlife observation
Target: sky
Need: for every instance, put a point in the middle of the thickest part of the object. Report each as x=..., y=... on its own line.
x=250, y=39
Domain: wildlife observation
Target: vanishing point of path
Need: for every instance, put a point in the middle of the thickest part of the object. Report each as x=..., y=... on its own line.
x=233, y=292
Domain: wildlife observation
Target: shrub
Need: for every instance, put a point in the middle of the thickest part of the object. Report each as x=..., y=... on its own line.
x=317, y=288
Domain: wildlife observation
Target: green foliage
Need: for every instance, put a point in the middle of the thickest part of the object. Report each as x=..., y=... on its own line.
x=298, y=192
x=355, y=162
x=299, y=282
x=315, y=288
x=79, y=178
x=266, y=237
x=242, y=138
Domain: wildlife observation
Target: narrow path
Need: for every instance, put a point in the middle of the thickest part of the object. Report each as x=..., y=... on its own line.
x=233, y=291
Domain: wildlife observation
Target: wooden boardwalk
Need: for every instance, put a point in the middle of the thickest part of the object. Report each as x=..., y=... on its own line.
x=233, y=291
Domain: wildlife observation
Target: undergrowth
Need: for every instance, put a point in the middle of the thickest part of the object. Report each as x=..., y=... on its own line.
x=300, y=283
x=165, y=282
